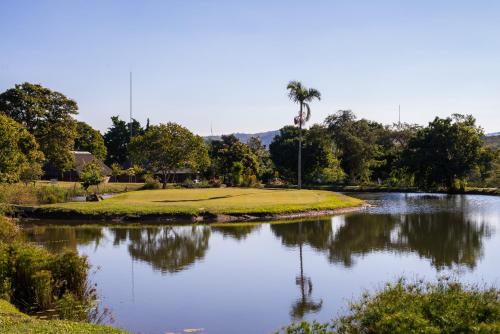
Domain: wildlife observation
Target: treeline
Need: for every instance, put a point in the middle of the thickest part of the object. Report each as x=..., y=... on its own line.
x=39, y=129
x=448, y=153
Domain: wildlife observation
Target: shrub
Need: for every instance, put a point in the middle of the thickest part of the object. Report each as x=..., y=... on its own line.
x=69, y=307
x=36, y=278
x=443, y=307
x=150, y=182
x=51, y=194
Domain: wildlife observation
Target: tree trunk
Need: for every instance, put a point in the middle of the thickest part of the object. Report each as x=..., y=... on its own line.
x=299, y=167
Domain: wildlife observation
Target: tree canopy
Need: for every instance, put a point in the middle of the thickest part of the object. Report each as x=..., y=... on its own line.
x=117, y=139
x=444, y=153
x=166, y=148
x=18, y=150
x=46, y=114
x=89, y=139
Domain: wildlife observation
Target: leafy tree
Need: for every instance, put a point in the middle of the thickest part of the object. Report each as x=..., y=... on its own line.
x=266, y=168
x=320, y=165
x=89, y=139
x=18, y=150
x=227, y=152
x=31, y=172
x=116, y=170
x=166, y=148
x=46, y=114
x=117, y=139
x=91, y=175
x=445, y=152
x=301, y=95
x=358, y=144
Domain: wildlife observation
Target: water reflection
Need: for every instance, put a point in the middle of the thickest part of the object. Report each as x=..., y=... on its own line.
x=240, y=232
x=445, y=238
x=56, y=238
x=169, y=249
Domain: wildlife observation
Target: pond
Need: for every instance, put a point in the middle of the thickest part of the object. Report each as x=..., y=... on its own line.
x=256, y=278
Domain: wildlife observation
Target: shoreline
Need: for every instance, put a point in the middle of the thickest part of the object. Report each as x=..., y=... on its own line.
x=30, y=214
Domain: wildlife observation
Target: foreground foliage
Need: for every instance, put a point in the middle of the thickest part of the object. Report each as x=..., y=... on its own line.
x=38, y=281
x=13, y=321
x=443, y=307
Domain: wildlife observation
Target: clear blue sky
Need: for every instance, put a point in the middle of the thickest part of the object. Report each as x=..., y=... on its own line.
x=228, y=62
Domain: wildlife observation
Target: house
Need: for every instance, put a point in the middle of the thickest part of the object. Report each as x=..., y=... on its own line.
x=81, y=159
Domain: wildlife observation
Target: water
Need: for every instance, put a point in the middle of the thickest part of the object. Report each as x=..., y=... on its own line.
x=256, y=278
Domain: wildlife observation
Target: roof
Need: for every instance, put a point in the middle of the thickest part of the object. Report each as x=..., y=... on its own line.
x=83, y=158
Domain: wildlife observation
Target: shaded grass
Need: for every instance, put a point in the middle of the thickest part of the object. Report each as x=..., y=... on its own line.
x=194, y=202
x=13, y=321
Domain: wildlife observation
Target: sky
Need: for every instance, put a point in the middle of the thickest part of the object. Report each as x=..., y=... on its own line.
x=224, y=65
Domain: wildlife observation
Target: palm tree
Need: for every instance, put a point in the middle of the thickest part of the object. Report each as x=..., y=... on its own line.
x=301, y=95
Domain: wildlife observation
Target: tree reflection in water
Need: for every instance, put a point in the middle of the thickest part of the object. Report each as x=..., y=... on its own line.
x=169, y=249
x=57, y=238
x=298, y=234
x=447, y=239
x=238, y=232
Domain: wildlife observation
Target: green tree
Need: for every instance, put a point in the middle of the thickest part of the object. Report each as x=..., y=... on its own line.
x=117, y=139
x=303, y=96
x=444, y=153
x=266, y=167
x=18, y=150
x=166, y=148
x=91, y=175
x=227, y=152
x=320, y=163
x=46, y=114
x=116, y=170
x=358, y=144
x=89, y=139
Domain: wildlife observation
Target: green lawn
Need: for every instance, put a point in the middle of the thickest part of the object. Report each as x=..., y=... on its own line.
x=212, y=200
x=14, y=322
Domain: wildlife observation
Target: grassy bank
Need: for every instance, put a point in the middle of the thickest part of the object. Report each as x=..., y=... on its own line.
x=13, y=321
x=211, y=201
x=446, y=306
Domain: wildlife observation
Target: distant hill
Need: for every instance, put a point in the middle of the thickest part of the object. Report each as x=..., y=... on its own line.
x=265, y=137
x=493, y=140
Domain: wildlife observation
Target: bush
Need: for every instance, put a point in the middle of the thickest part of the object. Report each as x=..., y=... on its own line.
x=51, y=195
x=30, y=195
x=443, y=307
x=34, y=278
x=151, y=182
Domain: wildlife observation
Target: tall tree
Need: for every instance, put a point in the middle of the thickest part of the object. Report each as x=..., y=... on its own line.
x=445, y=152
x=266, y=168
x=18, y=150
x=91, y=140
x=46, y=114
x=166, y=148
x=358, y=143
x=320, y=165
x=117, y=139
x=230, y=157
x=303, y=96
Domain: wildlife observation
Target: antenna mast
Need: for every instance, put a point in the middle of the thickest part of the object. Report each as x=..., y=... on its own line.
x=399, y=116
x=130, y=105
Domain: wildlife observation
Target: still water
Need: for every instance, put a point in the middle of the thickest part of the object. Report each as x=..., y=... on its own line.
x=256, y=278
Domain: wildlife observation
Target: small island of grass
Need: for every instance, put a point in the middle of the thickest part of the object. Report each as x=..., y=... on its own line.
x=212, y=204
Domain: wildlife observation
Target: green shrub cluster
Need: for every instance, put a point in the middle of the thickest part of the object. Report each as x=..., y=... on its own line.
x=443, y=307
x=29, y=195
x=36, y=280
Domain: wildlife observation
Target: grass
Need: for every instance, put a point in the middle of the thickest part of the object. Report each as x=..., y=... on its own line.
x=195, y=202
x=13, y=321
